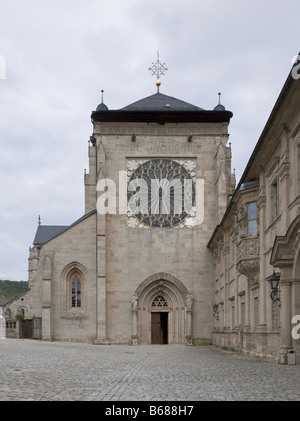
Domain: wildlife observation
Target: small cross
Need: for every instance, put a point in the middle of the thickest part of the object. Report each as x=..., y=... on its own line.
x=158, y=69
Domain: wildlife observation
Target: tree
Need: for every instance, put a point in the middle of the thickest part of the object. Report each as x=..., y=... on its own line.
x=13, y=288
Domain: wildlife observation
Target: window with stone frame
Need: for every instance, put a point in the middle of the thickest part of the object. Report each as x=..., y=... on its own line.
x=232, y=321
x=274, y=201
x=252, y=219
x=232, y=315
x=21, y=311
x=76, y=286
x=243, y=314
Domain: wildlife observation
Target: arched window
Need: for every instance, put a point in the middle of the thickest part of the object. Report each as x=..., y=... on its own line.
x=76, y=290
x=74, y=280
x=159, y=301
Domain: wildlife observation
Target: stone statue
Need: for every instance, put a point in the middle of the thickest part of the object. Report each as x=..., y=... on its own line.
x=241, y=221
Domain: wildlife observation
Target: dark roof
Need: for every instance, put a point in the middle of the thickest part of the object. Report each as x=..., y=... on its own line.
x=161, y=109
x=3, y=300
x=249, y=185
x=46, y=232
x=219, y=107
x=160, y=102
x=102, y=107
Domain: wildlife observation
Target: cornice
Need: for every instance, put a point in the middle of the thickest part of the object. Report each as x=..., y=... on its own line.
x=186, y=129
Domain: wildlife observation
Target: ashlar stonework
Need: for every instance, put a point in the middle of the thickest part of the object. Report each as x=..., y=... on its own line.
x=138, y=275
x=100, y=279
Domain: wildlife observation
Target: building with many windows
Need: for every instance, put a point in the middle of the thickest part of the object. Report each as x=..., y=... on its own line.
x=258, y=240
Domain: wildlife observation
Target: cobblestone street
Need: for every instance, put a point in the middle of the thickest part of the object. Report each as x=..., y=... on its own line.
x=55, y=371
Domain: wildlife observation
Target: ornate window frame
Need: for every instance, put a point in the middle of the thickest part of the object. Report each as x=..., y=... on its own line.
x=76, y=289
x=69, y=271
x=251, y=218
x=72, y=295
x=137, y=167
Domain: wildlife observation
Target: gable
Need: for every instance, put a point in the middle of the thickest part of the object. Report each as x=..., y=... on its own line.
x=46, y=233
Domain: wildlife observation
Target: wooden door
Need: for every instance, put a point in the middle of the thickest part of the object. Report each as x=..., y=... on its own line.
x=26, y=329
x=159, y=328
x=155, y=328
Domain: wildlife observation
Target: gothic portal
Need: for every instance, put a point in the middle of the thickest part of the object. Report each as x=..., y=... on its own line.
x=161, y=308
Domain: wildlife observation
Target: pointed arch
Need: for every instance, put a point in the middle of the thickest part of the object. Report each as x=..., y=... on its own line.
x=47, y=268
x=162, y=293
x=74, y=265
x=74, y=277
x=164, y=277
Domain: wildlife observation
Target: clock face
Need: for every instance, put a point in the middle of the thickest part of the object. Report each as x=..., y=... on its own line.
x=161, y=193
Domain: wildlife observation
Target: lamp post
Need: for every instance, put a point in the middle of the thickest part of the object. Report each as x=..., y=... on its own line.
x=274, y=283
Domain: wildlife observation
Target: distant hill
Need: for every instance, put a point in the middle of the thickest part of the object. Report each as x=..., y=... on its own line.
x=12, y=288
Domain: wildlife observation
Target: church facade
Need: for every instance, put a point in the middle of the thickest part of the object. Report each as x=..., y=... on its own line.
x=169, y=250
x=139, y=275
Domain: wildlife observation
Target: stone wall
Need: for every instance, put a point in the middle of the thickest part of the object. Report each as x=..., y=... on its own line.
x=134, y=254
x=243, y=259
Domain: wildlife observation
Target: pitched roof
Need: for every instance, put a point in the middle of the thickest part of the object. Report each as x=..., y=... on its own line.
x=3, y=300
x=46, y=232
x=160, y=102
x=161, y=109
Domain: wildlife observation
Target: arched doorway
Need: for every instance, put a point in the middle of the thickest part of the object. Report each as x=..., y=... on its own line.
x=162, y=308
x=159, y=320
x=286, y=256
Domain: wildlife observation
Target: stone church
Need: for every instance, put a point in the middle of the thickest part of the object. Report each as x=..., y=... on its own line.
x=169, y=250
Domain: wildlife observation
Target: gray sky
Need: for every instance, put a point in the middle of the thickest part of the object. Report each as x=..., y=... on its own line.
x=60, y=54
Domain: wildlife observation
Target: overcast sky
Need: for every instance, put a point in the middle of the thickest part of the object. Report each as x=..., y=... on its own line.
x=59, y=54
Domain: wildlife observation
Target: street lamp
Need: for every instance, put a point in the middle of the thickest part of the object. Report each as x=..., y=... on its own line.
x=274, y=283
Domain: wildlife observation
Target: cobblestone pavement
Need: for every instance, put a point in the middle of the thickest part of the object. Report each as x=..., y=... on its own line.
x=55, y=371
